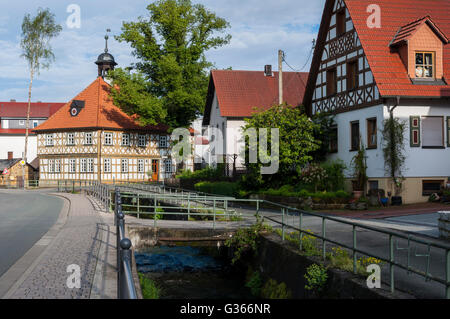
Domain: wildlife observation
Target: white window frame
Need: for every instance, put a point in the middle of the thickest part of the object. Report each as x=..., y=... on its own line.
x=58, y=166
x=72, y=165
x=83, y=165
x=90, y=165
x=124, y=165
x=51, y=166
x=49, y=140
x=88, y=140
x=141, y=166
x=70, y=136
x=440, y=130
x=126, y=139
x=107, y=165
x=142, y=140
x=163, y=141
x=21, y=122
x=109, y=139
x=168, y=166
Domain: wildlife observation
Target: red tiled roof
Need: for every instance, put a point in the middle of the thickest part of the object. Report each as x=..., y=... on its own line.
x=407, y=31
x=99, y=112
x=37, y=110
x=12, y=131
x=239, y=92
x=389, y=72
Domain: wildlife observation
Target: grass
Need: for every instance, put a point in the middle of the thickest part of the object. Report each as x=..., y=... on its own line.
x=149, y=288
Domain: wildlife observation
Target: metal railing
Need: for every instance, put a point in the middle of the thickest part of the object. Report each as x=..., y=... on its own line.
x=125, y=282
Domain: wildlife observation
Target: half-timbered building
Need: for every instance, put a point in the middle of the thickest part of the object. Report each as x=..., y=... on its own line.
x=377, y=59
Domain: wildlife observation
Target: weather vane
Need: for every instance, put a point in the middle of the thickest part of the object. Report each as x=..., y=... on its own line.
x=106, y=39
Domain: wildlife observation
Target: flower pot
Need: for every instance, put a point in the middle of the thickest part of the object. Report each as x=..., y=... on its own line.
x=357, y=194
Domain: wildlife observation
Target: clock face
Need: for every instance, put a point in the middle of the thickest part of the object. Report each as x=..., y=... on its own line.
x=74, y=111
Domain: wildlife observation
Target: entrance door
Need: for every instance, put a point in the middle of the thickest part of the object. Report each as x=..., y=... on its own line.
x=155, y=170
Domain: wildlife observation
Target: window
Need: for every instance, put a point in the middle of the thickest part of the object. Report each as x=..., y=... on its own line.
x=430, y=187
x=124, y=165
x=142, y=140
x=21, y=122
x=49, y=140
x=141, y=166
x=90, y=165
x=168, y=165
x=331, y=82
x=424, y=64
x=108, y=138
x=87, y=138
x=352, y=75
x=70, y=138
x=83, y=166
x=433, y=131
x=334, y=140
x=57, y=166
x=373, y=185
x=125, y=139
x=35, y=123
x=340, y=22
x=72, y=166
x=107, y=165
x=372, y=133
x=354, y=135
x=51, y=166
x=163, y=141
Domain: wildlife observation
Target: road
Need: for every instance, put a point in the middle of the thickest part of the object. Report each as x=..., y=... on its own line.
x=25, y=216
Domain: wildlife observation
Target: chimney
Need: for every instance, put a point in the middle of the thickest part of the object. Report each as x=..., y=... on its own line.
x=268, y=70
x=10, y=156
x=13, y=100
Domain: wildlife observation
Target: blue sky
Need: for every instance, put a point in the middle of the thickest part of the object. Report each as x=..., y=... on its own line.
x=258, y=27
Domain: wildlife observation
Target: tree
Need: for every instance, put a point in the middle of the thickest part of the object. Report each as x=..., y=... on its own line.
x=296, y=144
x=170, y=80
x=36, y=35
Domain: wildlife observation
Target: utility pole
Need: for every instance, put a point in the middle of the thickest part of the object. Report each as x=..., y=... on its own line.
x=280, y=76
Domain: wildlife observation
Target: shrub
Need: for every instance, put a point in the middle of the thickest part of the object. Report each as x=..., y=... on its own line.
x=314, y=175
x=273, y=290
x=149, y=288
x=207, y=174
x=335, y=175
x=218, y=188
x=316, y=277
x=254, y=282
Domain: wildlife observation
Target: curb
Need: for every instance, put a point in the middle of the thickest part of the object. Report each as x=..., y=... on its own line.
x=21, y=269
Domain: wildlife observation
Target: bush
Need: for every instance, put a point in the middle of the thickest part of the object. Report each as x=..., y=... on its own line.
x=149, y=288
x=335, y=175
x=316, y=277
x=273, y=290
x=207, y=174
x=339, y=197
x=218, y=188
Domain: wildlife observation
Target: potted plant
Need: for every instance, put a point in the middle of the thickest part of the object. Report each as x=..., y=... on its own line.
x=360, y=171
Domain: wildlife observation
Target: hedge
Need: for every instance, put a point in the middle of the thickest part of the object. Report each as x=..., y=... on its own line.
x=218, y=188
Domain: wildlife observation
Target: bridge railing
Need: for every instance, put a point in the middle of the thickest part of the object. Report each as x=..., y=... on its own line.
x=293, y=219
x=125, y=283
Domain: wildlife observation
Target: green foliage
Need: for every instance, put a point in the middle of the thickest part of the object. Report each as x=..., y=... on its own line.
x=219, y=188
x=273, y=290
x=209, y=173
x=313, y=174
x=359, y=166
x=36, y=35
x=309, y=242
x=323, y=132
x=338, y=197
x=171, y=78
x=335, y=180
x=339, y=258
x=316, y=277
x=149, y=288
x=393, y=148
x=254, y=282
x=245, y=240
x=295, y=144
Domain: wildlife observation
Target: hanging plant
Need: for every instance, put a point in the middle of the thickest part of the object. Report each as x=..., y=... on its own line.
x=393, y=150
x=360, y=167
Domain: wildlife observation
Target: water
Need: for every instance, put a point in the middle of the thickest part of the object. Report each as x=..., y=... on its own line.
x=185, y=272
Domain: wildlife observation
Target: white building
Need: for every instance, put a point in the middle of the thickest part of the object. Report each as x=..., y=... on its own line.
x=362, y=73
x=236, y=95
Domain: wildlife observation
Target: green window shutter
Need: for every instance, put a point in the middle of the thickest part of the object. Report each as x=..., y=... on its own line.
x=414, y=126
x=448, y=131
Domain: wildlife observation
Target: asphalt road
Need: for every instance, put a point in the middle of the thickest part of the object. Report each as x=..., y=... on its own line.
x=25, y=216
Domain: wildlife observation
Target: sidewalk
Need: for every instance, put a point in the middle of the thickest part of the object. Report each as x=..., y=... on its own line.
x=78, y=242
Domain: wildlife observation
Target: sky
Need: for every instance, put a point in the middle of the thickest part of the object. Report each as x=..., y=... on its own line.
x=259, y=28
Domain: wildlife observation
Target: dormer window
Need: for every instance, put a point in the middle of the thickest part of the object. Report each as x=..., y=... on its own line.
x=424, y=64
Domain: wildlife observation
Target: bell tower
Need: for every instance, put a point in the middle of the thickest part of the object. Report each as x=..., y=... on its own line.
x=105, y=60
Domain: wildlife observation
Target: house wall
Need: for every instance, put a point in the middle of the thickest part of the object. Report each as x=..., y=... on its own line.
x=218, y=144
x=16, y=144
x=235, y=141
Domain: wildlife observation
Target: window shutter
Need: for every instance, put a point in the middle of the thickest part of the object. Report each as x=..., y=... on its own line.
x=415, y=131
x=448, y=131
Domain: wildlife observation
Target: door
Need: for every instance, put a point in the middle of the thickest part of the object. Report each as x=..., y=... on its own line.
x=155, y=170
